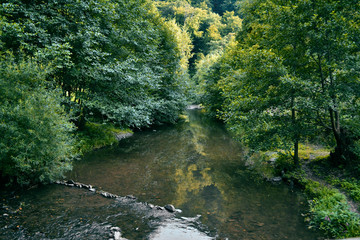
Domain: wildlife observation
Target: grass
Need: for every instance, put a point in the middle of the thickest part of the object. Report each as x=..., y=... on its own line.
x=95, y=136
x=329, y=210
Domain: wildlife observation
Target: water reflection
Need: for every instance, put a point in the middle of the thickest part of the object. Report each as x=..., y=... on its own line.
x=195, y=166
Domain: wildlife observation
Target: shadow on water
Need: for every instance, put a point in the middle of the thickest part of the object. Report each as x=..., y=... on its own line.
x=195, y=166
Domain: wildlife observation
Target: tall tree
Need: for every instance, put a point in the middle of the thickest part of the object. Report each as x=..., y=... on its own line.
x=318, y=44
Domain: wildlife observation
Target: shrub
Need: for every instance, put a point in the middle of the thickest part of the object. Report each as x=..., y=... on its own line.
x=95, y=135
x=36, y=144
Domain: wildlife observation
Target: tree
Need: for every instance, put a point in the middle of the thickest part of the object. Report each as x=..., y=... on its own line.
x=318, y=44
x=36, y=143
x=115, y=60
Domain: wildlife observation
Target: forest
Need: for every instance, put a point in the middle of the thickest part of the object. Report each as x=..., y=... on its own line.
x=278, y=73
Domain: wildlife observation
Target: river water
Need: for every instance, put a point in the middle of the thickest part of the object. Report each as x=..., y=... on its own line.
x=194, y=165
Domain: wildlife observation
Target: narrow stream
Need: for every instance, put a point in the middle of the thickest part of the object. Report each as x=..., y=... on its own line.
x=194, y=165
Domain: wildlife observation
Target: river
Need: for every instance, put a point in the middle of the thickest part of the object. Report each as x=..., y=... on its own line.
x=194, y=165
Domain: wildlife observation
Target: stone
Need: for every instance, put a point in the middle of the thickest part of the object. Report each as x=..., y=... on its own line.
x=70, y=182
x=105, y=194
x=120, y=136
x=117, y=235
x=92, y=190
x=115, y=229
x=272, y=160
x=130, y=197
x=194, y=107
x=170, y=208
x=151, y=205
x=260, y=224
x=276, y=179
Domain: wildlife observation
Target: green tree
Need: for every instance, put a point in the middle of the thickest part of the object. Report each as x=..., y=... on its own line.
x=116, y=61
x=36, y=143
x=318, y=44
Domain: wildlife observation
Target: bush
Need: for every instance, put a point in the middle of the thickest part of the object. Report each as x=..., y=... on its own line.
x=329, y=210
x=332, y=214
x=95, y=135
x=36, y=144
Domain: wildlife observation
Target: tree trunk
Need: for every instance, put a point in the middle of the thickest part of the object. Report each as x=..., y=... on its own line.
x=296, y=135
x=296, y=141
x=337, y=155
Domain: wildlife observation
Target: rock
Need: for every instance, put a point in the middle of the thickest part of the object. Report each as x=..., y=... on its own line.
x=193, y=107
x=105, y=194
x=5, y=215
x=151, y=206
x=130, y=197
x=117, y=235
x=108, y=195
x=92, y=189
x=276, y=179
x=260, y=224
x=120, y=136
x=170, y=208
x=178, y=210
x=115, y=229
x=272, y=160
x=160, y=208
x=70, y=182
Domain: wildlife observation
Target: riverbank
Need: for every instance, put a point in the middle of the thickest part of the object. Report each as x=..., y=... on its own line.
x=333, y=192
x=94, y=136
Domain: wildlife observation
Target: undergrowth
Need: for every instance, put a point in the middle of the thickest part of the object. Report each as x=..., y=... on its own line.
x=94, y=136
x=328, y=208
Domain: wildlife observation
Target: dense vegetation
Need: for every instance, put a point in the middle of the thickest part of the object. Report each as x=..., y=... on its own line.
x=210, y=24
x=292, y=74
x=278, y=73
x=70, y=63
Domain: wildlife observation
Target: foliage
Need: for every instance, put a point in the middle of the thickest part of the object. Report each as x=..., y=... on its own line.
x=208, y=30
x=292, y=75
x=36, y=143
x=329, y=210
x=95, y=135
x=332, y=215
x=351, y=186
x=116, y=61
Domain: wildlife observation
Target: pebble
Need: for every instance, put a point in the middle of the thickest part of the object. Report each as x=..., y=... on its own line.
x=170, y=208
x=115, y=229
x=117, y=235
x=276, y=179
